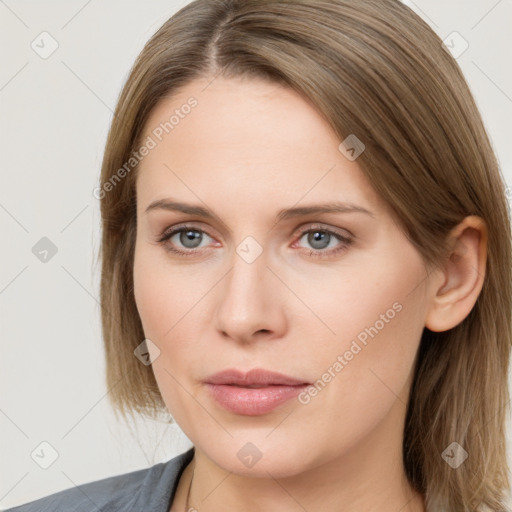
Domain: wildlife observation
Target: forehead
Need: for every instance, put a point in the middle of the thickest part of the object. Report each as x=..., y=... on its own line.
x=246, y=137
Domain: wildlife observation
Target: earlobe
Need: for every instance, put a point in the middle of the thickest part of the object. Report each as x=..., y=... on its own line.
x=453, y=297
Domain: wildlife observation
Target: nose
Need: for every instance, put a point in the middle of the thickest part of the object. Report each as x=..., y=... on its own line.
x=250, y=304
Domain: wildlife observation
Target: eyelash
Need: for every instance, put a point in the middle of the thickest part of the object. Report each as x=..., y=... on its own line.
x=345, y=241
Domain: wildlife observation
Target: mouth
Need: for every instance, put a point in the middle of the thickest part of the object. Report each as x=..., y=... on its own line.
x=254, y=393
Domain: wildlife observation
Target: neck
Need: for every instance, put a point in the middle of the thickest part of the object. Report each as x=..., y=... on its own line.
x=309, y=491
x=369, y=477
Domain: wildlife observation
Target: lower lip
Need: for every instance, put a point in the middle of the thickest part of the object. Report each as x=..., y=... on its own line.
x=253, y=401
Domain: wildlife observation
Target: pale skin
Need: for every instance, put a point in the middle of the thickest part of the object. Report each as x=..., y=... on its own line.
x=248, y=150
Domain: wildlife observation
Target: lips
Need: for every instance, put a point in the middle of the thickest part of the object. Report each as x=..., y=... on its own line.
x=256, y=378
x=253, y=393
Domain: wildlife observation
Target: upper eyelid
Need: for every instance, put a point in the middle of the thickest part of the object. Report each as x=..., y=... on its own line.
x=301, y=230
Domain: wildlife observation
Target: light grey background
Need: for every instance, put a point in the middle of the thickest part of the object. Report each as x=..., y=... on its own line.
x=55, y=113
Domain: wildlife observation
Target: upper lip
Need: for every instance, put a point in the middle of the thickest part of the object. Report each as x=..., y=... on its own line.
x=254, y=377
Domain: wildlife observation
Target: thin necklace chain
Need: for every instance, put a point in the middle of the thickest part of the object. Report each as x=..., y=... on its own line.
x=190, y=487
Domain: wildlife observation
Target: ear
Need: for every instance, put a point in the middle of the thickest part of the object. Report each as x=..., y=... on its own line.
x=462, y=278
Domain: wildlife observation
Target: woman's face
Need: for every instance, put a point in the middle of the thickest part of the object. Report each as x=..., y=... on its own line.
x=335, y=299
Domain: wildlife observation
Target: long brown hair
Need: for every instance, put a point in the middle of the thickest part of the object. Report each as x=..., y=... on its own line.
x=375, y=70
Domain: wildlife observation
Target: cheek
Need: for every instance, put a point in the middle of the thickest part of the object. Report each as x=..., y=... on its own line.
x=160, y=296
x=363, y=372
x=151, y=302
x=366, y=365
x=163, y=293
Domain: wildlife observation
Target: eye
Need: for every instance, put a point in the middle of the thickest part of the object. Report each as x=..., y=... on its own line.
x=321, y=239
x=188, y=237
x=186, y=240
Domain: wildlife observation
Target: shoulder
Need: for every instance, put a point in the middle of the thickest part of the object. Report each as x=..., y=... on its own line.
x=154, y=486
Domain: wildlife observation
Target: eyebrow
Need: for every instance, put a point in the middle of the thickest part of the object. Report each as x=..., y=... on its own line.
x=289, y=213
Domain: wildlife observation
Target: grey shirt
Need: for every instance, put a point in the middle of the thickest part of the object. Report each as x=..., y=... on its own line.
x=145, y=490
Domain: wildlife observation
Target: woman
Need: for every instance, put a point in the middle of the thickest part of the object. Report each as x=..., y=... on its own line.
x=307, y=262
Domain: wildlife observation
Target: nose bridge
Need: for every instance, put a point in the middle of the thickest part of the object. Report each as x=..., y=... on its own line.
x=247, y=279
x=247, y=304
